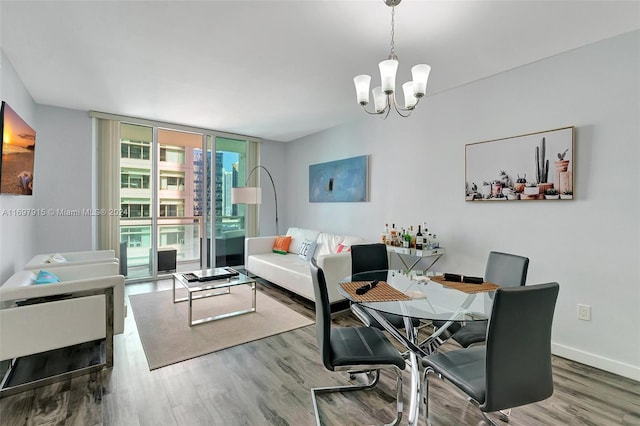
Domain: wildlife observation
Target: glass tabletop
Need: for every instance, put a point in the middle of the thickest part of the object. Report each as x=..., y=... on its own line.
x=194, y=286
x=430, y=300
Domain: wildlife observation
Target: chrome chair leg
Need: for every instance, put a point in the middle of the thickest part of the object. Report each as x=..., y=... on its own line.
x=504, y=415
x=487, y=419
x=425, y=394
x=367, y=386
x=360, y=315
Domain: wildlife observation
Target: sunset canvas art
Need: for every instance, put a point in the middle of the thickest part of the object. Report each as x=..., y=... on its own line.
x=18, y=153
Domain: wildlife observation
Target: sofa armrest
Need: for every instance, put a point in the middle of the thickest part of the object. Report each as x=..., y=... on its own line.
x=89, y=255
x=72, y=272
x=40, y=322
x=76, y=257
x=257, y=245
x=336, y=267
x=20, y=286
x=9, y=292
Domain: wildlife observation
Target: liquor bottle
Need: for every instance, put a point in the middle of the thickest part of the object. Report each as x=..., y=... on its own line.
x=406, y=239
x=385, y=234
x=419, y=239
x=435, y=243
x=429, y=242
x=394, y=234
x=412, y=237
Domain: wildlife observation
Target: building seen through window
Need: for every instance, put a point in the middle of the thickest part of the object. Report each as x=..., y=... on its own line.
x=179, y=191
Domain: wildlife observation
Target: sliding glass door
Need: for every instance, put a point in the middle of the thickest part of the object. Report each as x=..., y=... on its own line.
x=137, y=189
x=231, y=158
x=170, y=190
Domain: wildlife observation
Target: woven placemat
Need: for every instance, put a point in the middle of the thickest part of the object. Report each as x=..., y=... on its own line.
x=465, y=287
x=382, y=292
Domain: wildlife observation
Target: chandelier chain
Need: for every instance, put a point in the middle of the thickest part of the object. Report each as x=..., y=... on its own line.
x=384, y=96
x=393, y=46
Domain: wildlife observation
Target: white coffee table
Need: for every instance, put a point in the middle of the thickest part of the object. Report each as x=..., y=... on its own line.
x=204, y=289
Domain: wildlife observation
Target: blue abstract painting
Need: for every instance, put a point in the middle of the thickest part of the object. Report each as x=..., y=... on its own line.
x=339, y=181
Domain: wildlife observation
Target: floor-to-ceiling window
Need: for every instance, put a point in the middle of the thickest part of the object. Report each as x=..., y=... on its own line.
x=136, y=198
x=170, y=189
x=231, y=157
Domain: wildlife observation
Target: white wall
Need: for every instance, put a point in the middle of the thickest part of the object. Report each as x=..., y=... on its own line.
x=589, y=245
x=17, y=232
x=65, y=180
x=272, y=156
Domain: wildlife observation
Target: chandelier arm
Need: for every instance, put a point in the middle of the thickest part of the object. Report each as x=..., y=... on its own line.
x=386, y=114
x=399, y=108
x=364, y=108
x=399, y=111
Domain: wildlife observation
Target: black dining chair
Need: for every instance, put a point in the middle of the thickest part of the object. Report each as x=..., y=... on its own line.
x=514, y=368
x=366, y=261
x=504, y=269
x=352, y=349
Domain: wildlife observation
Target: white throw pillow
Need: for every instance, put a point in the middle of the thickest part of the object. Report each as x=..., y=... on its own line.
x=56, y=258
x=298, y=236
x=307, y=249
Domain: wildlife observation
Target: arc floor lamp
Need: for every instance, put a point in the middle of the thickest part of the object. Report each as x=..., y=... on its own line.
x=253, y=194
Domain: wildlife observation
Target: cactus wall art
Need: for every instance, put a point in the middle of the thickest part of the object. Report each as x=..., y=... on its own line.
x=534, y=166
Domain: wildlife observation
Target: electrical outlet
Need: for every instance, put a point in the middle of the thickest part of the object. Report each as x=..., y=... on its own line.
x=584, y=312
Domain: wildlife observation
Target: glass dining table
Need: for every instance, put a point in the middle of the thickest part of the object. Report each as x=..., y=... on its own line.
x=427, y=298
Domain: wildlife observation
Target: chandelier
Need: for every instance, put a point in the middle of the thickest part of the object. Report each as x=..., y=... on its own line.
x=384, y=98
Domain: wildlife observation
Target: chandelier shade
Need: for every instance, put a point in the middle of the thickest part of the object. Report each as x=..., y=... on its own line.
x=388, y=71
x=410, y=99
x=379, y=99
x=420, y=74
x=384, y=96
x=362, y=83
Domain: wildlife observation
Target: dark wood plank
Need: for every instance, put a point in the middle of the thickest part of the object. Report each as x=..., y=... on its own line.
x=268, y=382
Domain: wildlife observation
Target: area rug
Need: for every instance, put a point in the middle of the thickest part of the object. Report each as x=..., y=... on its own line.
x=166, y=338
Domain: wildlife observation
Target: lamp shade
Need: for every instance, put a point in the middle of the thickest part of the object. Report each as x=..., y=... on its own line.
x=362, y=83
x=246, y=195
x=409, y=99
x=420, y=74
x=379, y=99
x=388, y=70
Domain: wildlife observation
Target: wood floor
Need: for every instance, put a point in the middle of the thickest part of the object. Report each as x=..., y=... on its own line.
x=267, y=382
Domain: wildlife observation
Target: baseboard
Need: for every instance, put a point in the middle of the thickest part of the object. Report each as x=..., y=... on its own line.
x=606, y=364
x=336, y=307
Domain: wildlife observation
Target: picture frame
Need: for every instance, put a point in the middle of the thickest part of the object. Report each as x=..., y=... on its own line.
x=345, y=180
x=18, y=153
x=534, y=166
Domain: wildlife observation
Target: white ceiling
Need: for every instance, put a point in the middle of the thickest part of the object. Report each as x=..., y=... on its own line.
x=276, y=69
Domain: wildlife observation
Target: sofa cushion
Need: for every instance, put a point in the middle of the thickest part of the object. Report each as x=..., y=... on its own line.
x=343, y=248
x=46, y=277
x=328, y=243
x=350, y=240
x=56, y=258
x=290, y=272
x=307, y=250
x=299, y=236
x=281, y=245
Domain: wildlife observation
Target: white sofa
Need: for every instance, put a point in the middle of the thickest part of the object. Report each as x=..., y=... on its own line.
x=38, y=318
x=292, y=272
x=43, y=261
